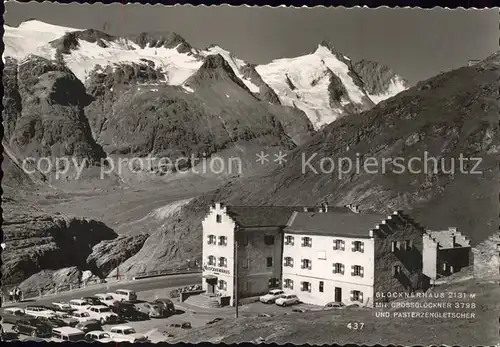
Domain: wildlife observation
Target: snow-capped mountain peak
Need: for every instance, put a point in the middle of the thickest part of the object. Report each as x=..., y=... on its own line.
x=324, y=84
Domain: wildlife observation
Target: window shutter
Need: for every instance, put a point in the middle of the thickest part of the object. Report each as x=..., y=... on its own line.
x=352, y=270
x=309, y=287
x=362, y=247
x=303, y=241
x=343, y=245
x=310, y=265
x=334, y=268
x=362, y=271
x=291, y=284
x=342, y=269
x=291, y=262
x=354, y=246
x=352, y=295
x=361, y=296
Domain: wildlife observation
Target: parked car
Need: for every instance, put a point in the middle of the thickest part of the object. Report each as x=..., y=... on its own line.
x=79, y=304
x=103, y=314
x=334, y=305
x=62, y=306
x=125, y=333
x=33, y=327
x=125, y=295
x=65, y=334
x=167, y=305
x=182, y=325
x=39, y=311
x=92, y=300
x=67, y=318
x=270, y=298
x=151, y=309
x=53, y=321
x=128, y=312
x=98, y=336
x=13, y=314
x=82, y=316
x=90, y=325
x=106, y=299
x=215, y=320
x=287, y=300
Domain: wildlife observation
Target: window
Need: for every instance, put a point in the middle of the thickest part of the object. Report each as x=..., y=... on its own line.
x=289, y=240
x=288, y=283
x=269, y=240
x=321, y=284
x=211, y=239
x=306, y=264
x=222, y=262
x=408, y=245
x=288, y=261
x=339, y=245
x=358, y=246
x=396, y=270
x=244, y=240
x=269, y=261
x=222, y=285
x=338, y=268
x=211, y=260
x=357, y=270
x=218, y=218
x=306, y=242
x=274, y=283
x=356, y=295
x=305, y=287
x=222, y=241
x=394, y=246
x=245, y=263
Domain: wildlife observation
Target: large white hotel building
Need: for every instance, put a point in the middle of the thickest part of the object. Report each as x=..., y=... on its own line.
x=319, y=254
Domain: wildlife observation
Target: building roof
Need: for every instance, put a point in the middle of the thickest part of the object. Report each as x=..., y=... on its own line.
x=334, y=223
x=261, y=216
x=445, y=238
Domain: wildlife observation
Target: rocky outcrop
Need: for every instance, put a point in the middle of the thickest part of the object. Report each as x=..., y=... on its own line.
x=44, y=116
x=36, y=241
x=266, y=93
x=377, y=78
x=69, y=41
x=214, y=68
x=107, y=254
x=162, y=39
x=50, y=281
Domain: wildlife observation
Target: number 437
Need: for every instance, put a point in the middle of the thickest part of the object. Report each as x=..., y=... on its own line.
x=355, y=326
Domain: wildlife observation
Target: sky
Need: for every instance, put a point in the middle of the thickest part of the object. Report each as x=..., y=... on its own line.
x=415, y=43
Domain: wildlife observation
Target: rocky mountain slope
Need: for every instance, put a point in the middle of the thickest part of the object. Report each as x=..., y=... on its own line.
x=451, y=115
x=326, y=89
x=37, y=241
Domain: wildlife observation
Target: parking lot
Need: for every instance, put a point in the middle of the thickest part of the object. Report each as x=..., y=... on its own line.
x=156, y=329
